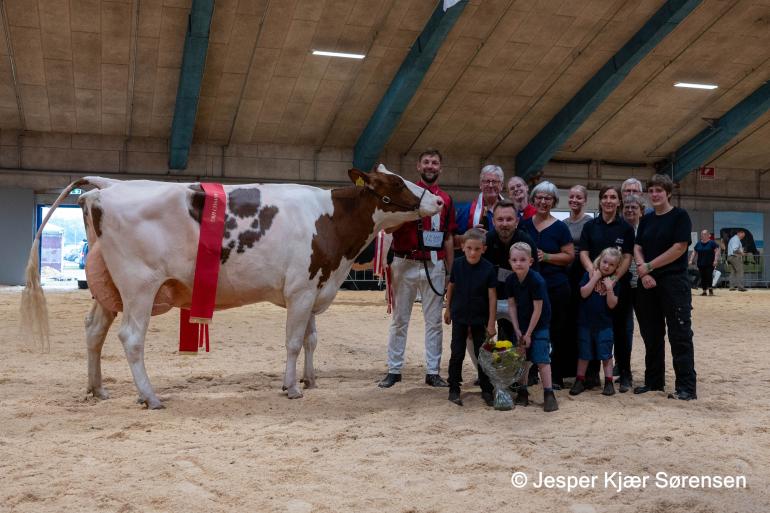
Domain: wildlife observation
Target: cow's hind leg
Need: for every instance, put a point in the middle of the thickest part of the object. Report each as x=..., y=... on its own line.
x=310, y=341
x=98, y=322
x=297, y=318
x=133, y=330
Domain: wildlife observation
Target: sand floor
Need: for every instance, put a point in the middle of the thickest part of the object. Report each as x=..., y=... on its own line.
x=230, y=440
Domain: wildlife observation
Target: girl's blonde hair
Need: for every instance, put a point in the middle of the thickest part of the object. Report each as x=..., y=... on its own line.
x=610, y=252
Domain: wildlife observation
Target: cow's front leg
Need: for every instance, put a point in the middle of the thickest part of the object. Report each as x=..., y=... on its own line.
x=310, y=341
x=98, y=322
x=297, y=318
x=133, y=330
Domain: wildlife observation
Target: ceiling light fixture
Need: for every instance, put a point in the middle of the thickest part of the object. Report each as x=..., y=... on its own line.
x=695, y=86
x=339, y=54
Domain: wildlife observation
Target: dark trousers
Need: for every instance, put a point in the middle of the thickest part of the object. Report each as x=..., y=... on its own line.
x=620, y=330
x=459, y=336
x=706, y=277
x=562, y=362
x=667, y=305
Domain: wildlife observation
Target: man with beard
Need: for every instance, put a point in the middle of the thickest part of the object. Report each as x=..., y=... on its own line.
x=499, y=243
x=422, y=250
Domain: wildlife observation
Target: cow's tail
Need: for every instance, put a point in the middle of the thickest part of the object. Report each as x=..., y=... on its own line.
x=34, y=309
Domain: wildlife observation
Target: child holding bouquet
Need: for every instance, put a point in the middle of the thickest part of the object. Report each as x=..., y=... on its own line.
x=530, y=312
x=472, y=289
x=595, y=339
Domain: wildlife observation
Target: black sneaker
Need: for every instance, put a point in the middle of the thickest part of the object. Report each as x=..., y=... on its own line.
x=435, y=380
x=488, y=398
x=549, y=401
x=578, y=388
x=609, y=388
x=711, y=292
x=454, y=396
x=625, y=384
x=389, y=380
x=644, y=389
x=683, y=395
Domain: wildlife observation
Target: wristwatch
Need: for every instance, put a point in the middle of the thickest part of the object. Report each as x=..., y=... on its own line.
x=648, y=266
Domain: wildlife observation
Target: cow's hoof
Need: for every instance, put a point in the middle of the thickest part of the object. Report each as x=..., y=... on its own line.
x=309, y=383
x=100, y=393
x=154, y=404
x=294, y=392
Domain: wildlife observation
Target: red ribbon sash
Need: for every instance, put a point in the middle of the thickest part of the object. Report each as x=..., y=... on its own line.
x=206, y=272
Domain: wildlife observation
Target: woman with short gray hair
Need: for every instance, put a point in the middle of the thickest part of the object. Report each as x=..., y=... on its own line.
x=555, y=252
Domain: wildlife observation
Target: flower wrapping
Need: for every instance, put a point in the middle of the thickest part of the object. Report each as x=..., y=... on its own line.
x=504, y=365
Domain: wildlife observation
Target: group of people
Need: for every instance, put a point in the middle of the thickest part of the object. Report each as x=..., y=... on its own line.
x=565, y=292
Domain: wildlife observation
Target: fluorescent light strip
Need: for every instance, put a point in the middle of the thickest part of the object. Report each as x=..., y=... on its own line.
x=695, y=86
x=339, y=54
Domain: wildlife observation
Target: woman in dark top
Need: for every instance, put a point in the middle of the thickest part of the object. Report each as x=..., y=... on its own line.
x=609, y=229
x=664, y=299
x=555, y=252
x=577, y=199
x=707, y=252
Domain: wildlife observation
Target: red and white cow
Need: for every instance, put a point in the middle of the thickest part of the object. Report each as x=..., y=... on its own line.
x=292, y=245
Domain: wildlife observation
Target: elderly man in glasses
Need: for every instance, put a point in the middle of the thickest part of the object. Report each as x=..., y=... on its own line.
x=478, y=213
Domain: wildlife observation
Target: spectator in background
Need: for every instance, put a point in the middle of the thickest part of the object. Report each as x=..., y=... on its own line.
x=707, y=253
x=555, y=252
x=518, y=191
x=735, y=260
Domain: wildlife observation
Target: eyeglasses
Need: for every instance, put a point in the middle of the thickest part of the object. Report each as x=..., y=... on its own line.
x=491, y=182
x=543, y=199
x=631, y=207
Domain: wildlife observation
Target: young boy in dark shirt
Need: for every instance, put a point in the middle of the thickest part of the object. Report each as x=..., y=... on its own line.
x=472, y=289
x=530, y=312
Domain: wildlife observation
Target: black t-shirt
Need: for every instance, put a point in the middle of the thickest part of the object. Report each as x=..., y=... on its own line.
x=598, y=235
x=524, y=294
x=705, y=253
x=470, y=298
x=657, y=233
x=498, y=253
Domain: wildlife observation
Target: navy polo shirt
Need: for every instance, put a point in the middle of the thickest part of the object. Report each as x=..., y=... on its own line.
x=470, y=297
x=550, y=240
x=658, y=233
x=498, y=253
x=594, y=312
x=705, y=253
x=598, y=235
x=524, y=293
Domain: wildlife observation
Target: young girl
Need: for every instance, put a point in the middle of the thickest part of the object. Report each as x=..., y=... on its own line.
x=595, y=340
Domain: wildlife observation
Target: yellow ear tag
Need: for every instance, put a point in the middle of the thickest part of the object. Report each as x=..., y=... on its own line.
x=359, y=182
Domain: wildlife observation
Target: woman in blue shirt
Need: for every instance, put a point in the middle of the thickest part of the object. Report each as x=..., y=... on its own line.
x=555, y=252
x=707, y=253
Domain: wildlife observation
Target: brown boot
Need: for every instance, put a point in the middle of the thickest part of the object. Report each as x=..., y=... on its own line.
x=549, y=401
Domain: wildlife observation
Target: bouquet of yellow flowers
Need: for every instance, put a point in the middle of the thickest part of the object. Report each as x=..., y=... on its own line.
x=504, y=365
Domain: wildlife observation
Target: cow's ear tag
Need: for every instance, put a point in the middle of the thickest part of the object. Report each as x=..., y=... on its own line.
x=359, y=182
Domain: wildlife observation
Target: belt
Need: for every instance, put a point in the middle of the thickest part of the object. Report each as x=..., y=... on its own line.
x=409, y=255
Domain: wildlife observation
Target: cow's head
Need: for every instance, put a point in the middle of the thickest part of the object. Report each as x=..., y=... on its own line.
x=398, y=196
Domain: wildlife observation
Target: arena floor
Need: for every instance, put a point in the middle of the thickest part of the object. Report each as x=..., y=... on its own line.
x=229, y=439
